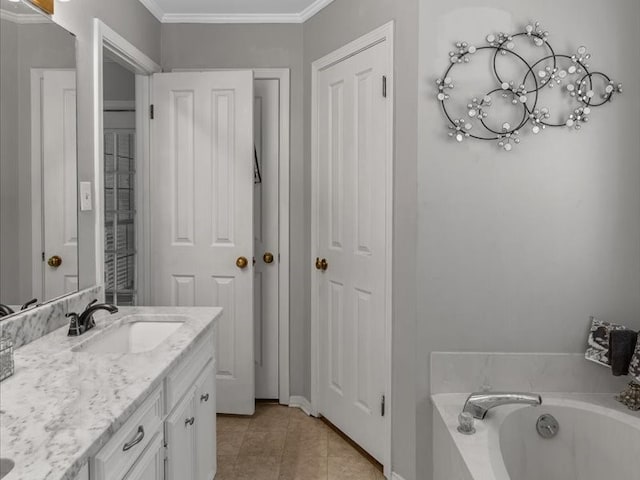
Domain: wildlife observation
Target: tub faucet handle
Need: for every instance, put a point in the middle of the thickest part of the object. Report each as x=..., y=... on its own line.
x=466, y=424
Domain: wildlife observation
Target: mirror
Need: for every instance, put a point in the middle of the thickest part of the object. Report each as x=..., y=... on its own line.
x=38, y=187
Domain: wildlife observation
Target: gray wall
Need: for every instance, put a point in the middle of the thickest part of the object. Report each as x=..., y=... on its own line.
x=516, y=250
x=247, y=46
x=134, y=22
x=119, y=83
x=339, y=23
x=9, y=154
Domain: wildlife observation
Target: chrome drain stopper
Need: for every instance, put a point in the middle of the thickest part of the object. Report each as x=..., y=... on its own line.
x=547, y=426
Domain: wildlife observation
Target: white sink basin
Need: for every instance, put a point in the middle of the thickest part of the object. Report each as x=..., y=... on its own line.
x=134, y=334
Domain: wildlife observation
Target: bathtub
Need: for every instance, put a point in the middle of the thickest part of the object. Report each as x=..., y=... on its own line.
x=598, y=439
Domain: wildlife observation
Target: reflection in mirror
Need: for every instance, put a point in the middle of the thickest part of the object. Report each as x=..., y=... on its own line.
x=120, y=183
x=38, y=187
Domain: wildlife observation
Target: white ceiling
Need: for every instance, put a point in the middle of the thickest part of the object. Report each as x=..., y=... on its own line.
x=234, y=11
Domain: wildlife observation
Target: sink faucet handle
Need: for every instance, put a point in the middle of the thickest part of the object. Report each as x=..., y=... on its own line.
x=91, y=303
x=74, y=325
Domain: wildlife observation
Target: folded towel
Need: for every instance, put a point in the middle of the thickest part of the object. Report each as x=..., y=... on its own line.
x=622, y=346
x=598, y=341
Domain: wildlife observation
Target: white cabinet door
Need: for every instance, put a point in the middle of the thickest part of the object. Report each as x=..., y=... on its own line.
x=205, y=401
x=150, y=465
x=202, y=213
x=180, y=439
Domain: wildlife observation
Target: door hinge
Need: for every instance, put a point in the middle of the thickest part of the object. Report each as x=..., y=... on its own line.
x=382, y=405
x=151, y=112
x=384, y=86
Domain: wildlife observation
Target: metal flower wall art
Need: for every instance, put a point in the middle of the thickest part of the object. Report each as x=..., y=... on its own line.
x=517, y=83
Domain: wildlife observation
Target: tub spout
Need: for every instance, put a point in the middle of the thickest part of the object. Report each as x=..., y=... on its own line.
x=479, y=403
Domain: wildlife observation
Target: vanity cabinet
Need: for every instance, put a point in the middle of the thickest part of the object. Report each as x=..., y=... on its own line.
x=190, y=432
x=150, y=465
x=172, y=435
x=205, y=424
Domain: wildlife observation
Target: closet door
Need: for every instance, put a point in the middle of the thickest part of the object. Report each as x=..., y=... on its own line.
x=202, y=213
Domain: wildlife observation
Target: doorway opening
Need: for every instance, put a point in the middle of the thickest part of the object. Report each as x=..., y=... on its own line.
x=121, y=184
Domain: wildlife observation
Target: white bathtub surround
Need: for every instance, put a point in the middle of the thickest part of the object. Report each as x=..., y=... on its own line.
x=61, y=406
x=27, y=326
x=527, y=372
x=598, y=438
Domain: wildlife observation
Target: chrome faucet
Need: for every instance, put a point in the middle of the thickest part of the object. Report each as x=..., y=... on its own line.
x=81, y=323
x=479, y=403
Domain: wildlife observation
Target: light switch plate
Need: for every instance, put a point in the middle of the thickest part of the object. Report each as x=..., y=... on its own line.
x=85, y=196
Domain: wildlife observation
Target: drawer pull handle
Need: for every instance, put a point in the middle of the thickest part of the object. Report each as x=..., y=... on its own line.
x=189, y=421
x=204, y=398
x=137, y=439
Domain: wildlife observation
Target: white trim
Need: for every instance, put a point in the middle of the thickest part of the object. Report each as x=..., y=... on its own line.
x=395, y=476
x=23, y=18
x=385, y=33
x=231, y=18
x=293, y=17
x=134, y=60
x=302, y=403
x=284, y=186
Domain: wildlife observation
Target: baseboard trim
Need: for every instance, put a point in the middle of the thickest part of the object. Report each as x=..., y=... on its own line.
x=395, y=476
x=300, y=402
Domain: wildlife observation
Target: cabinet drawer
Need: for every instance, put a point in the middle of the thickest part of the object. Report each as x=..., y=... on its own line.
x=183, y=376
x=126, y=446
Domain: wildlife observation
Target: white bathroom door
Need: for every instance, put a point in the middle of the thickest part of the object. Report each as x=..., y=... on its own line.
x=266, y=132
x=201, y=177
x=60, y=191
x=351, y=206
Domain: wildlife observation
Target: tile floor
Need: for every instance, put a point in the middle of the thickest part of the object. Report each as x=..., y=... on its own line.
x=281, y=443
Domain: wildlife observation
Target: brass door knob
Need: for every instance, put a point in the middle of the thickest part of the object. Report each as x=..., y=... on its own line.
x=55, y=261
x=322, y=264
x=242, y=262
x=268, y=257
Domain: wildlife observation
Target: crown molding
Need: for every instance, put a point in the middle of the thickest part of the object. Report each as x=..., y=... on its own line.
x=23, y=18
x=312, y=9
x=300, y=17
x=153, y=8
x=231, y=18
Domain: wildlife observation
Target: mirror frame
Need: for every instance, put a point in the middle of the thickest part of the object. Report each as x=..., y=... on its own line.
x=45, y=5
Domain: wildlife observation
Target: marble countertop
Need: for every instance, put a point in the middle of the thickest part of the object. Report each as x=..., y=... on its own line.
x=60, y=407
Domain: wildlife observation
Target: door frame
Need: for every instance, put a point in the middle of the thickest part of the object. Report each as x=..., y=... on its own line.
x=283, y=76
x=385, y=33
x=143, y=67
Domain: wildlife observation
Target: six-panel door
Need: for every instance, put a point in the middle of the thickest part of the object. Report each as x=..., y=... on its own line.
x=202, y=213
